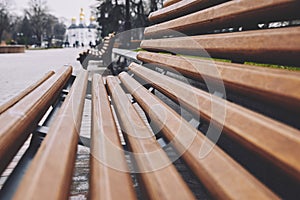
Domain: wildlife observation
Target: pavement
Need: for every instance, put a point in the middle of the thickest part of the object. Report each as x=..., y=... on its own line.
x=19, y=70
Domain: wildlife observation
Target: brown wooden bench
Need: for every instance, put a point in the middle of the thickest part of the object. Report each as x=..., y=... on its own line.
x=180, y=125
x=51, y=109
x=249, y=111
x=102, y=52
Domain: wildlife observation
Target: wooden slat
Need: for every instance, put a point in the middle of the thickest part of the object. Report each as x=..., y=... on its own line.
x=277, y=86
x=109, y=173
x=18, y=121
x=49, y=175
x=170, y=2
x=181, y=8
x=230, y=14
x=222, y=176
x=259, y=46
x=275, y=141
x=25, y=92
x=159, y=176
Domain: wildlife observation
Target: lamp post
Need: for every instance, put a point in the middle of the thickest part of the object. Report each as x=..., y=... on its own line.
x=127, y=24
x=19, y=37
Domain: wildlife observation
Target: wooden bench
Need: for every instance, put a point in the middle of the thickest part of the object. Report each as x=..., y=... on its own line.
x=231, y=124
x=102, y=52
x=38, y=112
x=249, y=111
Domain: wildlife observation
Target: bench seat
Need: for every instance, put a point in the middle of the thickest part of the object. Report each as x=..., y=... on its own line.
x=18, y=121
x=158, y=177
x=56, y=156
x=49, y=114
x=197, y=95
x=105, y=145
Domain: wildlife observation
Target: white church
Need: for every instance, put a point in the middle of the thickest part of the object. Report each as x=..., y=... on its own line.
x=81, y=34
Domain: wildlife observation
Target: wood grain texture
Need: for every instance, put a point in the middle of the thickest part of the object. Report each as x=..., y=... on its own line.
x=159, y=177
x=275, y=141
x=170, y=2
x=256, y=45
x=109, y=173
x=181, y=8
x=226, y=15
x=280, y=87
x=18, y=121
x=220, y=174
x=49, y=175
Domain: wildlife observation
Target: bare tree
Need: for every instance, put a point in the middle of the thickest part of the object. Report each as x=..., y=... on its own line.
x=37, y=14
x=4, y=17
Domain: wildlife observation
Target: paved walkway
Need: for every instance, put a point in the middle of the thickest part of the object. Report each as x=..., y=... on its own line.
x=17, y=71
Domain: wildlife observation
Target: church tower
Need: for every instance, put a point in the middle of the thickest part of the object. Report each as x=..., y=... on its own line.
x=82, y=17
x=80, y=34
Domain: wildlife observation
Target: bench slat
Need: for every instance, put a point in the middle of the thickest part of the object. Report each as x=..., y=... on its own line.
x=49, y=175
x=159, y=176
x=239, y=123
x=170, y=2
x=109, y=174
x=222, y=176
x=226, y=15
x=258, y=46
x=276, y=86
x=18, y=121
x=25, y=92
x=181, y=8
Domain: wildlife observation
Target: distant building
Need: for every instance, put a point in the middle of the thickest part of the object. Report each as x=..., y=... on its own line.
x=82, y=34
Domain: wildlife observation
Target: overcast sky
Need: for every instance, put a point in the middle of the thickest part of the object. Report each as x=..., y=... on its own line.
x=60, y=8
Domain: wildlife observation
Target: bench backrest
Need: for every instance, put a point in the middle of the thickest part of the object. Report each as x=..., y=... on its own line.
x=244, y=33
x=102, y=52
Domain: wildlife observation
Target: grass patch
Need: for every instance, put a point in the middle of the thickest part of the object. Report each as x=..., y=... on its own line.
x=138, y=50
x=291, y=68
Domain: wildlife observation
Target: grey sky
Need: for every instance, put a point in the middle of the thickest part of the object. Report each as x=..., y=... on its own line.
x=60, y=8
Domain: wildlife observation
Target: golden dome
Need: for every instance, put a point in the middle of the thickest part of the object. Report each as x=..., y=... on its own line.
x=81, y=13
x=92, y=18
x=73, y=20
